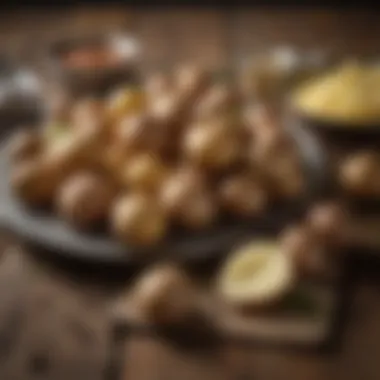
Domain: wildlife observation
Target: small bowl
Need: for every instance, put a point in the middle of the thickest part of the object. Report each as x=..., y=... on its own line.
x=93, y=65
x=342, y=134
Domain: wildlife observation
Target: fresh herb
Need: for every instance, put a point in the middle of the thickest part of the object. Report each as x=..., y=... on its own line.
x=300, y=300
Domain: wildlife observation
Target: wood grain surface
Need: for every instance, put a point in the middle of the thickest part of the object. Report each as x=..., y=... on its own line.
x=55, y=327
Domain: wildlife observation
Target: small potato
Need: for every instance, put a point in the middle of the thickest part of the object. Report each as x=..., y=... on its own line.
x=89, y=116
x=178, y=186
x=214, y=145
x=140, y=132
x=70, y=154
x=300, y=244
x=166, y=111
x=157, y=85
x=138, y=219
x=200, y=211
x=219, y=99
x=243, y=196
x=126, y=101
x=186, y=198
x=260, y=118
x=59, y=105
x=191, y=81
x=34, y=183
x=84, y=200
x=144, y=171
x=328, y=222
x=359, y=174
x=24, y=144
x=165, y=295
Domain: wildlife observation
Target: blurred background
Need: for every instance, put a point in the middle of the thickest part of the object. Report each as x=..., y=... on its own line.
x=65, y=329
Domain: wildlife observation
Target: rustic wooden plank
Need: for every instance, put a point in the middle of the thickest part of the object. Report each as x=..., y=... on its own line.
x=174, y=36
x=343, y=31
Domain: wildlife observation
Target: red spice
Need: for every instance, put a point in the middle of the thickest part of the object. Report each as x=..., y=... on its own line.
x=90, y=57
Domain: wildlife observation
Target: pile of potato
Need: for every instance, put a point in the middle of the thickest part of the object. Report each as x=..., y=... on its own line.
x=181, y=149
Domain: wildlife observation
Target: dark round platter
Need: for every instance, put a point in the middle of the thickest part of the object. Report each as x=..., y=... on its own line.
x=47, y=231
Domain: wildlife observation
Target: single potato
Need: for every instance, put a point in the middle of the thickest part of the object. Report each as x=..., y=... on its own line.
x=84, y=199
x=24, y=144
x=139, y=220
x=165, y=295
x=243, y=196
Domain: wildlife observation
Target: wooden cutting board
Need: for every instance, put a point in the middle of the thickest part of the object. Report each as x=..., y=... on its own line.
x=284, y=327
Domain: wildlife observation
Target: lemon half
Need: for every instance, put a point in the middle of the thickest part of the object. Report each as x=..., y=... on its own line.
x=256, y=274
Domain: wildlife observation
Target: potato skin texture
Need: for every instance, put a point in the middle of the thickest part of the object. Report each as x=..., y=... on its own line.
x=137, y=219
x=165, y=295
x=359, y=174
x=242, y=196
x=328, y=221
x=84, y=199
x=33, y=184
x=24, y=144
x=185, y=197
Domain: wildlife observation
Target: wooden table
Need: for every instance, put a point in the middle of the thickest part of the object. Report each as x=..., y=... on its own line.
x=56, y=325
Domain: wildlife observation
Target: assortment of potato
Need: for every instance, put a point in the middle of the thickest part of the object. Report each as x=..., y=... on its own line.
x=182, y=149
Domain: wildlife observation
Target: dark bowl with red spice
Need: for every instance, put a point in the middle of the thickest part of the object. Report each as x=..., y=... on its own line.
x=93, y=65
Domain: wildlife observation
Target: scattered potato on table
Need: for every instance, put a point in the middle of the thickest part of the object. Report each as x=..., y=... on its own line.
x=328, y=221
x=165, y=295
x=306, y=251
x=359, y=174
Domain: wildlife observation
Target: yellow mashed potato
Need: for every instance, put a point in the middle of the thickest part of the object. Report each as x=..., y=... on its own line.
x=349, y=94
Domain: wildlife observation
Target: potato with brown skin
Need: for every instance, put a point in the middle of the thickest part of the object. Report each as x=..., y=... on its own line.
x=123, y=102
x=302, y=246
x=71, y=153
x=328, y=222
x=89, y=116
x=144, y=172
x=241, y=195
x=277, y=158
x=212, y=144
x=260, y=118
x=359, y=174
x=158, y=84
x=190, y=82
x=35, y=182
x=140, y=132
x=166, y=111
x=165, y=295
x=84, y=200
x=184, y=195
x=219, y=99
x=138, y=219
x=59, y=106
x=24, y=144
